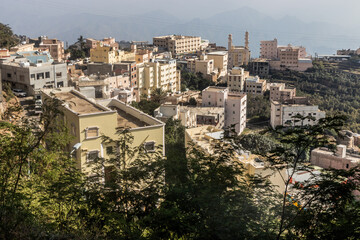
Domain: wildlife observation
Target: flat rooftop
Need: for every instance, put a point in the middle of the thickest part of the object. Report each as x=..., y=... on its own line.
x=78, y=104
x=126, y=120
x=214, y=89
x=217, y=53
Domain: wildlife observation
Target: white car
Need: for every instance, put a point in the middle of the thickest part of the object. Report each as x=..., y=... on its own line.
x=19, y=93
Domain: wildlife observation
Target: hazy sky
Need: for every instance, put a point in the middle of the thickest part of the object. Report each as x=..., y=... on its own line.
x=343, y=12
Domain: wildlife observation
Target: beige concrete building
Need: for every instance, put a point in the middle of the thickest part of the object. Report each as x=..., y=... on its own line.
x=106, y=54
x=238, y=55
x=236, y=79
x=207, y=137
x=184, y=97
x=285, y=57
x=88, y=120
x=254, y=85
x=192, y=116
x=178, y=44
x=278, y=92
x=56, y=48
x=233, y=103
x=283, y=113
x=23, y=48
x=161, y=73
x=341, y=159
x=220, y=62
x=239, y=81
x=203, y=65
x=268, y=49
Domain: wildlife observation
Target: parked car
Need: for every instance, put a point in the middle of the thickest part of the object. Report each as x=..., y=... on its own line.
x=38, y=110
x=19, y=93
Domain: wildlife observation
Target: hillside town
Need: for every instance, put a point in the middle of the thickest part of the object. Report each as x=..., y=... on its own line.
x=213, y=96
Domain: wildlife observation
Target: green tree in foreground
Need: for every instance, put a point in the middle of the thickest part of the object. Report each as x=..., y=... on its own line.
x=7, y=37
x=325, y=199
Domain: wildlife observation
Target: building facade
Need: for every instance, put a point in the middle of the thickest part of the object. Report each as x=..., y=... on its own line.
x=88, y=120
x=56, y=48
x=31, y=77
x=161, y=73
x=178, y=44
x=234, y=105
x=283, y=113
x=238, y=55
x=278, y=92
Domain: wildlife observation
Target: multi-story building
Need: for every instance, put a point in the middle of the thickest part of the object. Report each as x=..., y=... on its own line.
x=236, y=79
x=285, y=57
x=92, y=43
x=203, y=65
x=178, y=44
x=255, y=85
x=341, y=159
x=161, y=73
x=234, y=105
x=56, y=48
x=88, y=120
x=106, y=54
x=23, y=48
x=283, y=113
x=220, y=62
x=33, y=72
x=260, y=67
x=269, y=49
x=238, y=55
x=278, y=92
x=239, y=80
x=192, y=116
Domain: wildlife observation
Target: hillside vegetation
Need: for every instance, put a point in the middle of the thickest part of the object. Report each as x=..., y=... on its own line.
x=334, y=87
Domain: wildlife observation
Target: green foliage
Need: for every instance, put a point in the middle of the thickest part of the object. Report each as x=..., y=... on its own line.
x=257, y=144
x=331, y=87
x=258, y=106
x=194, y=81
x=7, y=38
x=146, y=106
x=192, y=101
x=324, y=198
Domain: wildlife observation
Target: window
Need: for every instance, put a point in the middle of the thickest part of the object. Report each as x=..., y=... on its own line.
x=58, y=74
x=91, y=132
x=149, y=146
x=209, y=103
x=47, y=75
x=233, y=112
x=92, y=155
x=9, y=75
x=32, y=76
x=347, y=165
x=109, y=175
x=73, y=129
x=40, y=76
x=109, y=150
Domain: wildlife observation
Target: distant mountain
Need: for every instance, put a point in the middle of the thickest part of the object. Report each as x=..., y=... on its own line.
x=316, y=37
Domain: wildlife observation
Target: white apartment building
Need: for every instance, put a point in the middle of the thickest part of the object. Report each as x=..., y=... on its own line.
x=282, y=113
x=178, y=44
x=233, y=103
x=161, y=73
